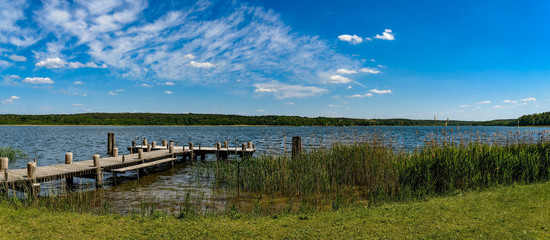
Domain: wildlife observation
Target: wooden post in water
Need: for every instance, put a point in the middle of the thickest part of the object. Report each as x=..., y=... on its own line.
x=149, y=146
x=218, y=148
x=296, y=146
x=144, y=142
x=153, y=144
x=69, y=160
x=243, y=149
x=192, y=155
x=109, y=144
x=164, y=143
x=115, y=152
x=31, y=174
x=4, y=163
x=99, y=174
x=133, y=147
x=249, y=145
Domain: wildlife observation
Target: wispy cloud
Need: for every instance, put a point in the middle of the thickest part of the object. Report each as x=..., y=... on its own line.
x=361, y=95
x=484, y=102
x=52, y=63
x=168, y=92
x=346, y=71
x=78, y=83
x=17, y=58
x=169, y=83
x=531, y=99
x=201, y=64
x=10, y=100
x=464, y=106
x=376, y=91
x=370, y=70
x=38, y=80
x=339, y=79
x=284, y=91
x=510, y=101
x=386, y=35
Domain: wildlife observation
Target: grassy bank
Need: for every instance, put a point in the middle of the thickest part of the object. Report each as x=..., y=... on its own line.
x=517, y=211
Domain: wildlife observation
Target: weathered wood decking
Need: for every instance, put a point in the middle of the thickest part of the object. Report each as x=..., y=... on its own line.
x=111, y=164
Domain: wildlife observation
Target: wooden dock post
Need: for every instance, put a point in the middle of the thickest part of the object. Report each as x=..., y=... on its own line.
x=249, y=145
x=69, y=160
x=225, y=144
x=192, y=155
x=243, y=149
x=149, y=146
x=144, y=142
x=133, y=147
x=153, y=144
x=140, y=154
x=164, y=143
x=110, y=143
x=115, y=152
x=99, y=174
x=218, y=148
x=31, y=175
x=4, y=163
x=296, y=146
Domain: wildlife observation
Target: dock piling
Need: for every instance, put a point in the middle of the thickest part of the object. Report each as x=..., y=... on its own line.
x=296, y=146
x=110, y=143
x=140, y=154
x=98, y=172
x=115, y=152
x=69, y=160
x=4, y=163
x=164, y=143
x=153, y=144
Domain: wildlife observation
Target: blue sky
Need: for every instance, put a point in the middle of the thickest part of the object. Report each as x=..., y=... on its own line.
x=464, y=60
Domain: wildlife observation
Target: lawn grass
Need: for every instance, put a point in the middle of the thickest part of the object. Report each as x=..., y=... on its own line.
x=515, y=211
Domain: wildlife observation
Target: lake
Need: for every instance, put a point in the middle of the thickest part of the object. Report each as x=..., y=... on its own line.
x=49, y=143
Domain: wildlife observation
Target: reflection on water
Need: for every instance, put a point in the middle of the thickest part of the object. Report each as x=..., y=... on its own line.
x=169, y=186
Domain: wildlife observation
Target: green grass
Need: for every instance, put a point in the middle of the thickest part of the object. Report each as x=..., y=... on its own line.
x=371, y=170
x=516, y=211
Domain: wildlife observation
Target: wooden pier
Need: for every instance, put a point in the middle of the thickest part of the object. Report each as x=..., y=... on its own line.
x=140, y=157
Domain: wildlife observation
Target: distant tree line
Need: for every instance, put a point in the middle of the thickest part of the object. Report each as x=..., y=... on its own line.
x=537, y=119
x=190, y=119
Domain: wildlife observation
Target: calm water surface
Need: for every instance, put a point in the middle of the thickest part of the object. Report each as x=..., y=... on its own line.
x=49, y=143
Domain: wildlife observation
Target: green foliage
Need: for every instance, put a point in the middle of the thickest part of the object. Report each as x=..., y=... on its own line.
x=190, y=119
x=540, y=119
x=11, y=153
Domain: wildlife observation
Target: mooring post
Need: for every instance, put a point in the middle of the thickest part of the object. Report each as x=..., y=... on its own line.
x=171, y=149
x=249, y=145
x=225, y=144
x=140, y=154
x=115, y=152
x=31, y=175
x=164, y=143
x=149, y=146
x=296, y=146
x=218, y=147
x=99, y=174
x=153, y=144
x=133, y=147
x=111, y=144
x=144, y=142
x=192, y=156
x=4, y=163
x=69, y=160
x=243, y=149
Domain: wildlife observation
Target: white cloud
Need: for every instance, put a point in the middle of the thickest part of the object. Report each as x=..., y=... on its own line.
x=168, y=92
x=372, y=60
x=531, y=99
x=510, y=101
x=201, y=64
x=387, y=91
x=75, y=65
x=382, y=66
x=261, y=111
x=284, y=91
x=189, y=56
x=370, y=70
x=346, y=71
x=112, y=93
x=484, y=102
x=331, y=105
x=500, y=107
x=17, y=58
x=169, y=84
x=78, y=105
x=38, y=80
x=361, y=95
x=14, y=76
x=146, y=85
x=10, y=100
x=78, y=83
x=464, y=106
x=289, y=103
x=52, y=63
x=386, y=35
x=353, y=39
x=349, y=87
x=338, y=79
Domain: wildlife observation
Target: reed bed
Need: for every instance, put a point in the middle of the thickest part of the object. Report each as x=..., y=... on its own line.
x=12, y=153
x=371, y=168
